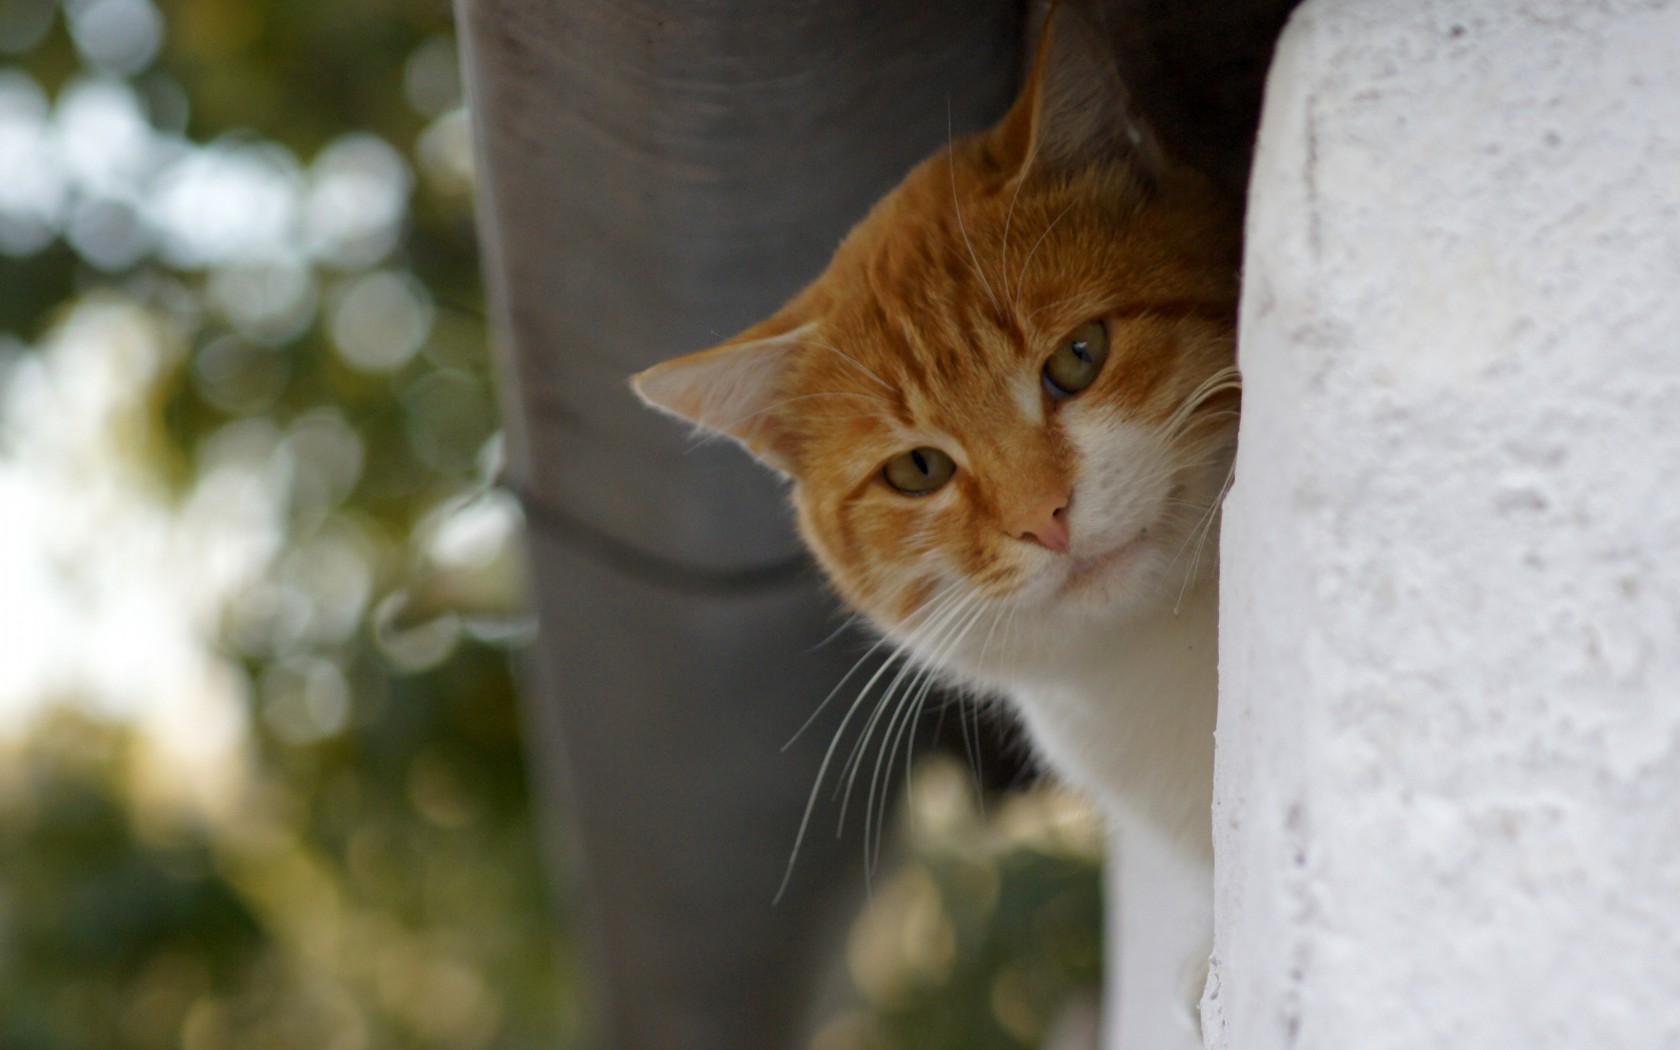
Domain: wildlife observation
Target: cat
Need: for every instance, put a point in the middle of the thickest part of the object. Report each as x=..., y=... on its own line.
x=1008, y=411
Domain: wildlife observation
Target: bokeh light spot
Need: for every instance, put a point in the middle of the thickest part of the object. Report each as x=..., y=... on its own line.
x=356, y=200
x=269, y=303
x=230, y=202
x=445, y=151
x=121, y=36
x=105, y=139
x=380, y=320
x=33, y=193
x=432, y=77
x=326, y=454
x=109, y=233
x=305, y=699
x=330, y=570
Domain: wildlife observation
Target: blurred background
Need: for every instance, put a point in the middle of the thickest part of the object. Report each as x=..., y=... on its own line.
x=261, y=777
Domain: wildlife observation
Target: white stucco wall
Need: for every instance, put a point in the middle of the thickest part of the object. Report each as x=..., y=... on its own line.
x=1449, y=739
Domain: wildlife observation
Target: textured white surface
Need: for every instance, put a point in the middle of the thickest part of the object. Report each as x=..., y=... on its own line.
x=1448, y=804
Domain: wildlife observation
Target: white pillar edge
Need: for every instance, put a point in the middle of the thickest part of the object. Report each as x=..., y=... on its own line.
x=1448, y=782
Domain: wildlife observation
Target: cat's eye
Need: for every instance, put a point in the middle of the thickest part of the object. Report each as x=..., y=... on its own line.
x=919, y=471
x=1077, y=359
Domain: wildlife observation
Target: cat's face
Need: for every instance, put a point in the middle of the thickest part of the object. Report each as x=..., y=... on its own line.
x=1008, y=404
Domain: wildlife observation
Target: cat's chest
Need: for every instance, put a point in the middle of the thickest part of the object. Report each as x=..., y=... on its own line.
x=1128, y=715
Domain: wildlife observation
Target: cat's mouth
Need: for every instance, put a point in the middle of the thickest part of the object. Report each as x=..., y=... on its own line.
x=1088, y=569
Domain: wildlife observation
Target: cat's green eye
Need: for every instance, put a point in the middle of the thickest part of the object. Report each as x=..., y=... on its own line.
x=1077, y=359
x=919, y=471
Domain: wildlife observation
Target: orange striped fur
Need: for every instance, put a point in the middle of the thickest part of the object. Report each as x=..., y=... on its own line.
x=1060, y=563
x=930, y=327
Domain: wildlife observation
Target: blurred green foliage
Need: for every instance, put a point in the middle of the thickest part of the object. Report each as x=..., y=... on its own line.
x=988, y=935
x=276, y=197
x=371, y=877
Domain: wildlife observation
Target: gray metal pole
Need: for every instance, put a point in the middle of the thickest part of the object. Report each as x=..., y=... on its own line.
x=655, y=176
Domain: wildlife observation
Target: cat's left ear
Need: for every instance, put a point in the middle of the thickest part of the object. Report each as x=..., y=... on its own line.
x=1074, y=111
x=733, y=389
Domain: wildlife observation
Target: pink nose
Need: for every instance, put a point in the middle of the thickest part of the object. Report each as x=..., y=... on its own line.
x=1044, y=521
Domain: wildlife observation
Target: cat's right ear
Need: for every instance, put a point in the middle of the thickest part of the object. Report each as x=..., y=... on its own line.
x=1074, y=110
x=733, y=389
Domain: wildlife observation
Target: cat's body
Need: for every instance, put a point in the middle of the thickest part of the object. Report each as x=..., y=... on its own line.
x=1126, y=713
x=1008, y=406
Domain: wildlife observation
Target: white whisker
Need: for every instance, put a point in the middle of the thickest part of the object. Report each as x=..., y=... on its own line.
x=1022, y=276
x=956, y=205
x=911, y=706
x=939, y=600
x=854, y=763
x=1003, y=251
x=849, y=359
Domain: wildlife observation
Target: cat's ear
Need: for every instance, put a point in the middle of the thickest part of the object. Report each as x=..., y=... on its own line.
x=732, y=389
x=1074, y=110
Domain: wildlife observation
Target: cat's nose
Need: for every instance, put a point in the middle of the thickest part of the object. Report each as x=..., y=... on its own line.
x=1044, y=521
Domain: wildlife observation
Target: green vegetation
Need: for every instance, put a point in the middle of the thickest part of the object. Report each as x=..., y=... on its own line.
x=268, y=204
x=261, y=781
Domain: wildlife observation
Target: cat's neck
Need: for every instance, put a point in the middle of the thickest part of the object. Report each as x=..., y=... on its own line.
x=1125, y=711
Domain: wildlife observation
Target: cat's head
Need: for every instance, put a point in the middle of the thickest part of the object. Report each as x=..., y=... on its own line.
x=1011, y=391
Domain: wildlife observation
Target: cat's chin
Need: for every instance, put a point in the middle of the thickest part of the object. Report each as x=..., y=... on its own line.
x=1090, y=574
x=1137, y=582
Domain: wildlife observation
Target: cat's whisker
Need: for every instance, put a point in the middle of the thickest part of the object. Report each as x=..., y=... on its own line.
x=1003, y=250
x=1186, y=418
x=967, y=711
x=911, y=708
x=844, y=780
x=859, y=365
x=971, y=707
x=837, y=632
x=933, y=628
x=935, y=642
x=956, y=206
x=737, y=424
x=1009, y=628
x=1022, y=275
x=926, y=608
x=1052, y=305
x=1205, y=418
x=1207, y=526
x=767, y=409
x=916, y=698
x=849, y=772
x=1156, y=464
x=822, y=772
x=897, y=712
x=1152, y=469
x=1185, y=426
x=856, y=665
x=971, y=740
x=1215, y=452
x=986, y=643
x=1226, y=379
x=1004, y=644
x=1203, y=530
x=903, y=716
x=949, y=593
x=854, y=761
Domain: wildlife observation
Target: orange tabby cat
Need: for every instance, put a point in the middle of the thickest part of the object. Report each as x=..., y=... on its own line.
x=1008, y=408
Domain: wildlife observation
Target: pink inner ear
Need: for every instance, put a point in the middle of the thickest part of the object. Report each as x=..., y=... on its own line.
x=733, y=389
